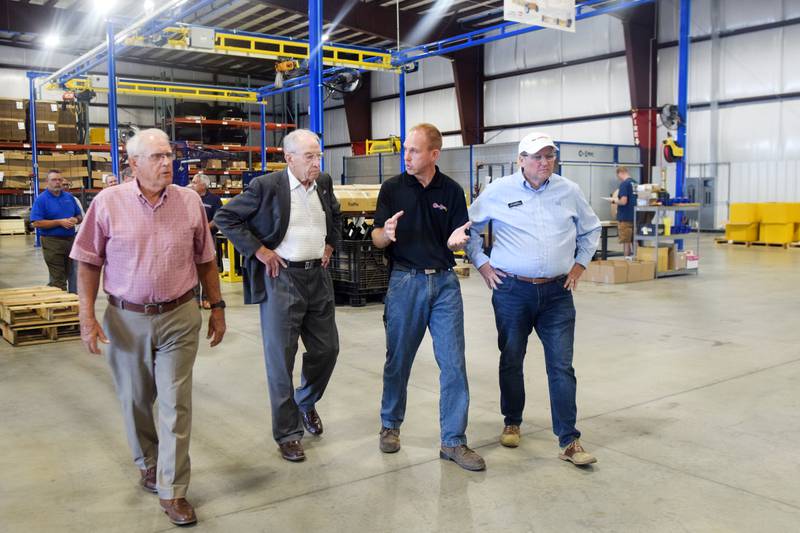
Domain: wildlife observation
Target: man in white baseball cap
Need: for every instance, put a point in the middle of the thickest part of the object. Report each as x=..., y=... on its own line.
x=545, y=234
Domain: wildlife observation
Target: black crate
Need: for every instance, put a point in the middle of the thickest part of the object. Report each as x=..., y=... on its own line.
x=358, y=268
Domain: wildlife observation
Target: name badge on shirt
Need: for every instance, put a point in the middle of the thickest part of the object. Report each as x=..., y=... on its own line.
x=515, y=204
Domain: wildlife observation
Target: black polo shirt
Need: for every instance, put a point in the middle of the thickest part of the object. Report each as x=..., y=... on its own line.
x=430, y=215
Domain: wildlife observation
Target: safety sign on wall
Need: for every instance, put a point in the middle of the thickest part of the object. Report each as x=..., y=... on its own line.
x=557, y=14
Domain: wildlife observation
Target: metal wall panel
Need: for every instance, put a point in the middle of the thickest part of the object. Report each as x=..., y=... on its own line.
x=669, y=19
x=334, y=162
x=751, y=64
x=335, y=127
x=790, y=66
x=540, y=97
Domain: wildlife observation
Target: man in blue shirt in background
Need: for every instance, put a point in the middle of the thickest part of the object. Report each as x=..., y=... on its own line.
x=55, y=214
x=625, y=202
x=545, y=234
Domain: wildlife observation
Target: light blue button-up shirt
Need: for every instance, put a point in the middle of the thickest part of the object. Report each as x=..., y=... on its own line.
x=538, y=233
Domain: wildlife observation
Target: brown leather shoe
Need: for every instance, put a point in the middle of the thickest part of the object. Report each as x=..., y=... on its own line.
x=292, y=451
x=510, y=437
x=575, y=454
x=389, y=441
x=148, y=479
x=179, y=511
x=312, y=422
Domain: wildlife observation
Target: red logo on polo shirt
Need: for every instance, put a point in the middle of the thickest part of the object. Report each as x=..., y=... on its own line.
x=439, y=206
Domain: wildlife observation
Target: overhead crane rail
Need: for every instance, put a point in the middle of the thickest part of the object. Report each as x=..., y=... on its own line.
x=263, y=46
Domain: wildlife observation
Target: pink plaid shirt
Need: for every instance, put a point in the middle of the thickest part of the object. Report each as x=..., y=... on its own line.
x=148, y=252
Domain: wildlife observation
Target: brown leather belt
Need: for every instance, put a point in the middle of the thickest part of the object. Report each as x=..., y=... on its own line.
x=151, y=309
x=537, y=281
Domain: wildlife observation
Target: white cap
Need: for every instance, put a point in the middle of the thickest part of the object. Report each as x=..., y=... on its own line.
x=533, y=142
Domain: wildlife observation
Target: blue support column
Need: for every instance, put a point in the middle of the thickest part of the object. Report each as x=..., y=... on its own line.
x=263, y=136
x=34, y=146
x=683, y=89
x=113, y=133
x=471, y=176
x=402, y=91
x=315, y=70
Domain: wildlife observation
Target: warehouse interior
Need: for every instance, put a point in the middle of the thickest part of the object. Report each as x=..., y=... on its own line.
x=686, y=373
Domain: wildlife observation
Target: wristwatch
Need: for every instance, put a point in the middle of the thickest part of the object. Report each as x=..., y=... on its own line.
x=217, y=305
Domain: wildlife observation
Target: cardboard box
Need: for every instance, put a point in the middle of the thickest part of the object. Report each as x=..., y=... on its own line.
x=641, y=270
x=11, y=108
x=46, y=111
x=67, y=116
x=692, y=260
x=239, y=165
x=14, y=182
x=46, y=131
x=67, y=133
x=214, y=164
x=607, y=272
x=680, y=260
x=12, y=130
x=663, y=256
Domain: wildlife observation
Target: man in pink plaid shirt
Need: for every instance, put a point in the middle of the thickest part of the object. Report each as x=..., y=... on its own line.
x=151, y=241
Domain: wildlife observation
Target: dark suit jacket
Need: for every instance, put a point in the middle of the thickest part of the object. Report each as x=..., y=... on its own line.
x=260, y=216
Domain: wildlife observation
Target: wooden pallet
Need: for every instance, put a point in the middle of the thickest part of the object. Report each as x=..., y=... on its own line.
x=39, y=334
x=35, y=306
x=756, y=243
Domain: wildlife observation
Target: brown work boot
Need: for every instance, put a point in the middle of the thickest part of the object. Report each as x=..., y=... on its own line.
x=463, y=456
x=179, y=511
x=576, y=454
x=390, y=440
x=148, y=479
x=510, y=437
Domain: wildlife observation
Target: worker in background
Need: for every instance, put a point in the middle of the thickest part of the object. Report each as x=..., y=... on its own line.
x=626, y=203
x=55, y=214
x=285, y=225
x=545, y=234
x=211, y=202
x=126, y=174
x=111, y=180
x=72, y=278
x=420, y=218
x=151, y=241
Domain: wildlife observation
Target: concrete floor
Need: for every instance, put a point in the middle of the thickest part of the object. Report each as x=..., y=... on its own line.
x=687, y=393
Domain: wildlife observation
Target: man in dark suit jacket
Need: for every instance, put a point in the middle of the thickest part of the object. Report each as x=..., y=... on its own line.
x=285, y=225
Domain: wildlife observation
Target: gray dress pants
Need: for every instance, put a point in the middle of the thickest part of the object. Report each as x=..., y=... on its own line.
x=300, y=304
x=151, y=359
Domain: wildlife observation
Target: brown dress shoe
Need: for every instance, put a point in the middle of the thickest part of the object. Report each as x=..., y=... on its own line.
x=312, y=422
x=148, y=480
x=292, y=451
x=390, y=440
x=179, y=511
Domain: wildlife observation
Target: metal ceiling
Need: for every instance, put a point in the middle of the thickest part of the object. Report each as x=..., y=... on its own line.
x=368, y=23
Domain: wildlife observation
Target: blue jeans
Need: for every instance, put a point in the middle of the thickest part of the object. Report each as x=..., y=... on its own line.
x=416, y=301
x=519, y=308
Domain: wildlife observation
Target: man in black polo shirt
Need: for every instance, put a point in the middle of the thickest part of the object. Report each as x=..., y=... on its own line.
x=421, y=217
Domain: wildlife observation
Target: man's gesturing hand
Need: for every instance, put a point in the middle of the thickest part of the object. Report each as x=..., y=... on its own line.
x=491, y=276
x=390, y=227
x=459, y=237
x=273, y=261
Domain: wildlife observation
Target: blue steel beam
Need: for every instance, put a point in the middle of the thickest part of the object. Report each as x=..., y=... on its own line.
x=263, y=108
x=34, y=147
x=500, y=31
x=315, y=101
x=683, y=90
x=402, y=91
x=113, y=130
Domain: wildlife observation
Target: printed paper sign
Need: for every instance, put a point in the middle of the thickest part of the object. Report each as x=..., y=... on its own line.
x=556, y=14
x=19, y=104
x=53, y=107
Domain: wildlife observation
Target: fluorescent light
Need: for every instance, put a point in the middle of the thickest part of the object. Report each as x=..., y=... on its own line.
x=325, y=37
x=51, y=40
x=104, y=6
x=149, y=6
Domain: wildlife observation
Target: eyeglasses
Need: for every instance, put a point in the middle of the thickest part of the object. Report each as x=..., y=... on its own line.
x=539, y=158
x=156, y=158
x=308, y=157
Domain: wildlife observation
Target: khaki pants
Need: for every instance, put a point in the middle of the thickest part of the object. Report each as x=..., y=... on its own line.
x=56, y=256
x=151, y=359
